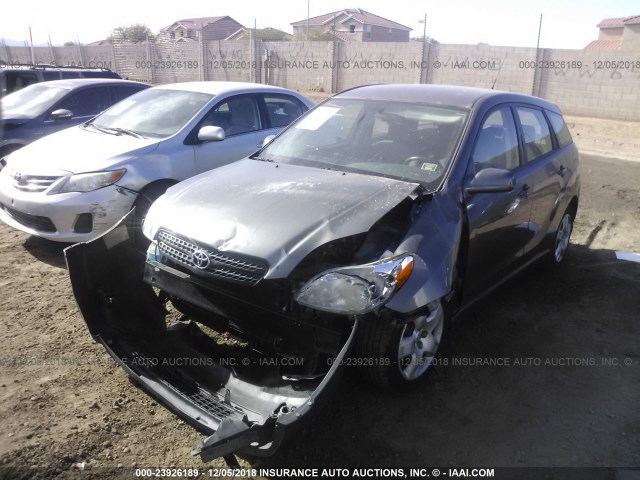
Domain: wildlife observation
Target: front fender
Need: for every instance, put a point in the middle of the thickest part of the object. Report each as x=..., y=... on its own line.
x=434, y=239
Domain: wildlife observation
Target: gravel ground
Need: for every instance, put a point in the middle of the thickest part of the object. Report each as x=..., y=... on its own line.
x=65, y=407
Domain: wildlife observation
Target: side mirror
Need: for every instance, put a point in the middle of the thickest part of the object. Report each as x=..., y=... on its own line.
x=211, y=134
x=267, y=140
x=491, y=180
x=61, y=114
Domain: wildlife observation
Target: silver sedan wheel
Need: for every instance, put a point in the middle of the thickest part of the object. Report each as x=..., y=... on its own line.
x=562, y=238
x=419, y=343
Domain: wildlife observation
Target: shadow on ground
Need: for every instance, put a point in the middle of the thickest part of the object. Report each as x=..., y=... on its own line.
x=51, y=253
x=564, y=394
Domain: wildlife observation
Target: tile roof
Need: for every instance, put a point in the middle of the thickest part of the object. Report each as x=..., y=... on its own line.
x=195, y=22
x=604, y=45
x=357, y=14
x=619, y=22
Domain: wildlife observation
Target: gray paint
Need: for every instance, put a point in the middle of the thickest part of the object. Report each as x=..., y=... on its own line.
x=276, y=212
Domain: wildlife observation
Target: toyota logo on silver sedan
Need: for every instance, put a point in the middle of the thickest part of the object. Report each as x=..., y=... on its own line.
x=200, y=259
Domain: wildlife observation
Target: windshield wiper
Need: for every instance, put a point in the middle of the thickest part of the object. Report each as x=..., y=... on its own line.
x=126, y=131
x=100, y=129
x=262, y=159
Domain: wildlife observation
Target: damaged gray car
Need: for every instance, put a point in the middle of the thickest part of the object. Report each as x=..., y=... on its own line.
x=354, y=237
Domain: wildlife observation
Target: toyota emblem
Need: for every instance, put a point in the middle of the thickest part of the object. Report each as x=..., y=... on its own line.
x=200, y=259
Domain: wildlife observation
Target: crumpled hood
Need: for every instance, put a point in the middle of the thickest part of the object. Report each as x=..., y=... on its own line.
x=276, y=212
x=78, y=150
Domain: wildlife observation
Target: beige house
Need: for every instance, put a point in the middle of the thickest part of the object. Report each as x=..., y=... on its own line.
x=353, y=25
x=621, y=33
x=207, y=28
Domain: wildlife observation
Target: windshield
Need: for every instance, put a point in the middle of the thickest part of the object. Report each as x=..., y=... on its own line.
x=153, y=112
x=31, y=101
x=407, y=141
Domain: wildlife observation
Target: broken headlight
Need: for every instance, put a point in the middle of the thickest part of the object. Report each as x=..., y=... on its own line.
x=356, y=290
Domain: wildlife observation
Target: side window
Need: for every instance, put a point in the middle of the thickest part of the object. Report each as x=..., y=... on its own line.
x=560, y=128
x=497, y=143
x=90, y=101
x=535, y=133
x=49, y=75
x=18, y=80
x=122, y=92
x=70, y=74
x=235, y=115
x=282, y=109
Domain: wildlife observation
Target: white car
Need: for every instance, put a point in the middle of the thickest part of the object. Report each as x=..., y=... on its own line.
x=74, y=185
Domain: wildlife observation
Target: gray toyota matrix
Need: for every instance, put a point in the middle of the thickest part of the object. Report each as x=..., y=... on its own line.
x=354, y=237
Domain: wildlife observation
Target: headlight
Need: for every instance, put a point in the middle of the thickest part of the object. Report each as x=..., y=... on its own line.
x=356, y=290
x=86, y=182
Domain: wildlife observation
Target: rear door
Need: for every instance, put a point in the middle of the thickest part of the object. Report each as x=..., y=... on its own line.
x=544, y=171
x=498, y=222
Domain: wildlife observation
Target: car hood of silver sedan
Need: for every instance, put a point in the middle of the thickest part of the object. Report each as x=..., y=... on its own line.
x=276, y=212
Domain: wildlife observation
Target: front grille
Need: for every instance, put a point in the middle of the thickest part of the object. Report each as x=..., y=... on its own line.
x=227, y=266
x=42, y=224
x=32, y=183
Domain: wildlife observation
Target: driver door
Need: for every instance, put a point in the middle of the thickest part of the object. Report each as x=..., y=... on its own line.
x=498, y=221
x=239, y=117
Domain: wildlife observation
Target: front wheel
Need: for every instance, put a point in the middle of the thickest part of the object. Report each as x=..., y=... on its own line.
x=397, y=355
x=142, y=204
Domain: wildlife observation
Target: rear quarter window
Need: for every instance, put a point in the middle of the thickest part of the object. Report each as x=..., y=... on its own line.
x=560, y=128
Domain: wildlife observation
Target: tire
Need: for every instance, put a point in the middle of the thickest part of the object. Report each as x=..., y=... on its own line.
x=561, y=239
x=146, y=197
x=398, y=355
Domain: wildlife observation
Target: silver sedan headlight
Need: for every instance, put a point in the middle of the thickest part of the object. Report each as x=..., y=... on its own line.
x=359, y=289
x=86, y=182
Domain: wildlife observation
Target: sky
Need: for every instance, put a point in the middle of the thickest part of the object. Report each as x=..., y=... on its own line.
x=569, y=24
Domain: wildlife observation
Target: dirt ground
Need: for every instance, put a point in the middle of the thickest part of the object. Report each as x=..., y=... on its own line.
x=66, y=409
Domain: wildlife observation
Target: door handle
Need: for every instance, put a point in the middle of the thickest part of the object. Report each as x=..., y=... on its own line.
x=562, y=170
x=524, y=192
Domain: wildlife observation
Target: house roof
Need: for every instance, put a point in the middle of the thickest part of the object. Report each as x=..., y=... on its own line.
x=195, y=23
x=260, y=32
x=357, y=14
x=619, y=22
x=604, y=45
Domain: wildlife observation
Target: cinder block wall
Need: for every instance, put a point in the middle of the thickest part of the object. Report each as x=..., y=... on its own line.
x=603, y=84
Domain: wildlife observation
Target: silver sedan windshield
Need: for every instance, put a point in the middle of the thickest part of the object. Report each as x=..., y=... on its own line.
x=154, y=112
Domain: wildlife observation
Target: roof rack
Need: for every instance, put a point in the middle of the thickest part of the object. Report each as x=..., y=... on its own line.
x=44, y=66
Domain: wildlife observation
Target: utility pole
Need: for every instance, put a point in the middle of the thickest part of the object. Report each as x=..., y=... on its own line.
x=539, y=30
x=537, y=71
x=424, y=48
x=307, y=36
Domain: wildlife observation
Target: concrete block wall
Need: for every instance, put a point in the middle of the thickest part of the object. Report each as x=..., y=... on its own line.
x=305, y=66
x=377, y=62
x=593, y=83
x=606, y=84
x=482, y=66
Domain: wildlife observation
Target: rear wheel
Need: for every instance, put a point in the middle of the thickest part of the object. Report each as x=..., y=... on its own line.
x=561, y=239
x=397, y=355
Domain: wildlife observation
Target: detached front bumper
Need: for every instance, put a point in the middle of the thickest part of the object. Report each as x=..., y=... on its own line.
x=64, y=217
x=212, y=388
